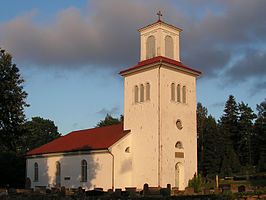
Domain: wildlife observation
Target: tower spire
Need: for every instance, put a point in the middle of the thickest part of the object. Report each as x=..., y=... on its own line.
x=159, y=15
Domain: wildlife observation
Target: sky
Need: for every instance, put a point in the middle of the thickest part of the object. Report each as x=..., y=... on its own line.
x=70, y=52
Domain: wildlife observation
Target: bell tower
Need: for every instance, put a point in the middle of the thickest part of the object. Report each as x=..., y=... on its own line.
x=159, y=39
x=160, y=110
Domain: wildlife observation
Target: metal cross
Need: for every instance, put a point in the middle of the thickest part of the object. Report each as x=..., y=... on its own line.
x=159, y=15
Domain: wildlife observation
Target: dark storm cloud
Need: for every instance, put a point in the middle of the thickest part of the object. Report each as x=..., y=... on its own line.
x=215, y=32
x=251, y=65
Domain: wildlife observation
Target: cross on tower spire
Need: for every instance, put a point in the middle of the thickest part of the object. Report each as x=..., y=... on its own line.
x=159, y=15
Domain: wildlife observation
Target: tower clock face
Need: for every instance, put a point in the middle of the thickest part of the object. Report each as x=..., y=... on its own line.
x=179, y=124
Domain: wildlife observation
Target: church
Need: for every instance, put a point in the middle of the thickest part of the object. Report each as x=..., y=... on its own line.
x=156, y=144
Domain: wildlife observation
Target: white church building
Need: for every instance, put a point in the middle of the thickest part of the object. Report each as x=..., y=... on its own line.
x=157, y=144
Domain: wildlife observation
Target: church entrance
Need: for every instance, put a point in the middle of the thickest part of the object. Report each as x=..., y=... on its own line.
x=58, y=175
x=179, y=176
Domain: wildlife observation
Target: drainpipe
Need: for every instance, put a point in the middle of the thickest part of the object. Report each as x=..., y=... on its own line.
x=159, y=125
x=113, y=164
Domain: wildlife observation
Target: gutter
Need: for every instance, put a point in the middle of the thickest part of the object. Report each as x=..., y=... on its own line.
x=113, y=167
x=159, y=125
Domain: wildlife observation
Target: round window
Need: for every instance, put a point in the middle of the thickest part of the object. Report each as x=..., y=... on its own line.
x=179, y=124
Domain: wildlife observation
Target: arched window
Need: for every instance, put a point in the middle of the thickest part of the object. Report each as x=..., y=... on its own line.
x=172, y=91
x=127, y=150
x=184, y=94
x=136, y=94
x=150, y=47
x=141, y=93
x=169, y=47
x=178, y=94
x=58, y=174
x=179, y=145
x=36, y=172
x=148, y=87
x=83, y=171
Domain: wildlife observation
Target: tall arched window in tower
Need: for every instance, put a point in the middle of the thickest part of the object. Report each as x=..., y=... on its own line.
x=169, y=47
x=83, y=171
x=178, y=93
x=141, y=93
x=184, y=94
x=148, y=88
x=150, y=47
x=36, y=172
x=136, y=94
x=172, y=91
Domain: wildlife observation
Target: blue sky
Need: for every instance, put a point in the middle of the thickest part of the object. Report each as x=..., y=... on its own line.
x=70, y=52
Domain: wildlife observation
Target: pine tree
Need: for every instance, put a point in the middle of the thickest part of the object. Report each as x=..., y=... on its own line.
x=211, y=158
x=260, y=137
x=245, y=132
x=230, y=138
x=201, y=121
x=12, y=102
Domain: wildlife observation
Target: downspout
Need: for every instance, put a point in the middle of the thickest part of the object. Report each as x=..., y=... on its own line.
x=113, y=164
x=159, y=125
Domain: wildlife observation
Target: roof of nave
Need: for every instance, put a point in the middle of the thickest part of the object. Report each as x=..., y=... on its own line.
x=88, y=139
x=160, y=59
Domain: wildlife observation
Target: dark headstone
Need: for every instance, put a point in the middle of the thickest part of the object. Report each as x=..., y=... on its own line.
x=27, y=183
x=241, y=188
x=146, y=189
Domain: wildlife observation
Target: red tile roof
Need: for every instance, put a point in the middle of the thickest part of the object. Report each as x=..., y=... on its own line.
x=89, y=139
x=158, y=59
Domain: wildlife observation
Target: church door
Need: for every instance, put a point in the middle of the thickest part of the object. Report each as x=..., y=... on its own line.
x=179, y=176
x=58, y=175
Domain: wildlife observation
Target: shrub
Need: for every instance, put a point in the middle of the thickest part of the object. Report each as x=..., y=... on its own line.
x=195, y=182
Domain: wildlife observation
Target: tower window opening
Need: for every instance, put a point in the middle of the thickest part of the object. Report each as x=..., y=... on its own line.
x=141, y=93
x=169, y=47
x=148, y=91
x=136, y=94
x=150, y=47
x=173, y=92
x=178, y=93
x=184, y=94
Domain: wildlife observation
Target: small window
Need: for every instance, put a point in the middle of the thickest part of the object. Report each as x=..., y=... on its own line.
x=141, y=93
x=179, y=124
x=150, y=47
x=169, y=47
x=184, y=94
x=172, y=91
x=179, y=145
x=36, y=172
x=148, y=87
x=83, y=171
x=178, y=93
x=136, y=94
x=127, y=150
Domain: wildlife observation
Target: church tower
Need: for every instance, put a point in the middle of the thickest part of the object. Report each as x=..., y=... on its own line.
x=160, y=111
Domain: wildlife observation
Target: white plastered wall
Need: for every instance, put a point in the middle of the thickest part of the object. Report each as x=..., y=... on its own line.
x=171, y=111
x=142, y=119
x=99, y=170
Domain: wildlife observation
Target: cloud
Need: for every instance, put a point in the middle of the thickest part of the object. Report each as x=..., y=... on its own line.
x=105, y=36
x=112, y=111
x=251, y=65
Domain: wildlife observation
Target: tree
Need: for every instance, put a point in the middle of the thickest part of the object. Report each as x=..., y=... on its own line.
x=245, y=131
x=201, y=122
x=109, y=120
x=211, y=153
x=39, y=132
x=260, y=137
x=12, y=103
x=230, y=138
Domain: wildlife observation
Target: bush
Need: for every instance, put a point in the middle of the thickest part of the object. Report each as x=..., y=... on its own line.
x=195, y=182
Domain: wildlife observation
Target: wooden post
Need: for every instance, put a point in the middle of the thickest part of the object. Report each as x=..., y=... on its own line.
x=217, y=181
